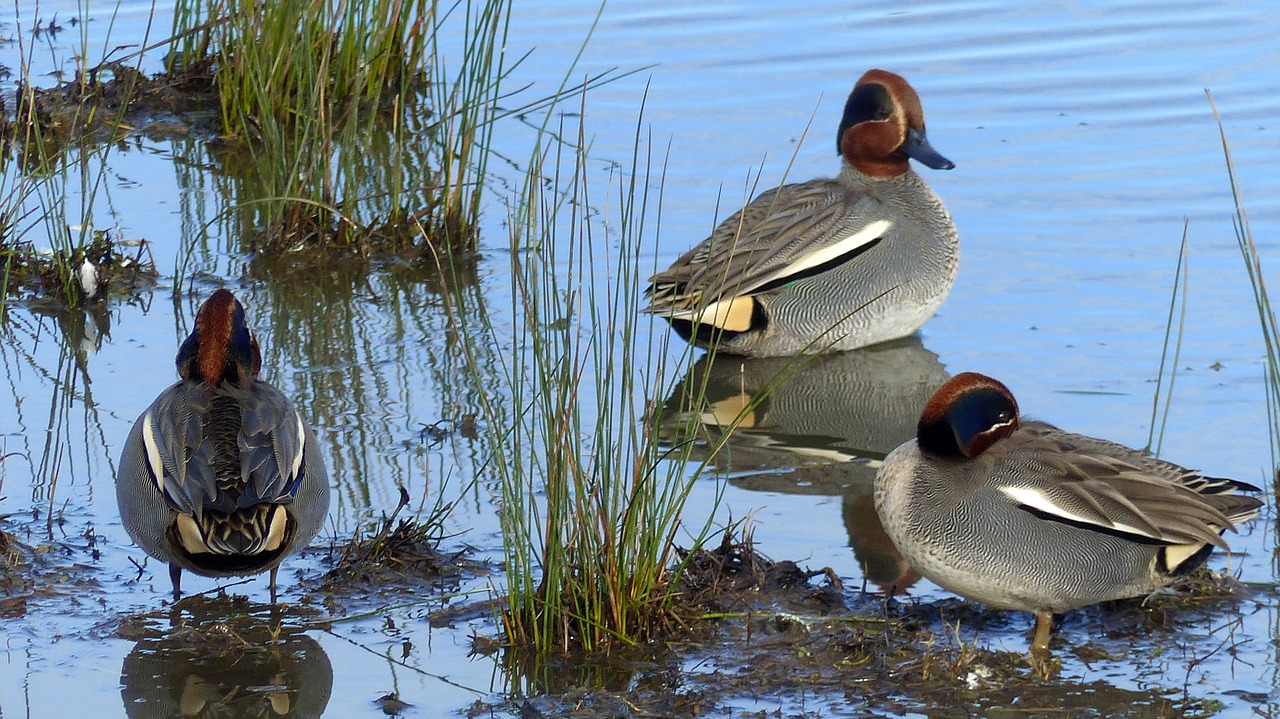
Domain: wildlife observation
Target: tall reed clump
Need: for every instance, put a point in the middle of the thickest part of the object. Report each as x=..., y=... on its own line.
x=591, y=502
x=301, y=83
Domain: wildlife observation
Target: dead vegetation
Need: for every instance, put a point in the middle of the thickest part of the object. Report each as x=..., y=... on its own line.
x=15, y=581
x=401, y=551
x=776, y=663
x=48, y=569
x=359, y=218
x=80, y=275
x=97, y=108
x=734, y=576
x=106, y=103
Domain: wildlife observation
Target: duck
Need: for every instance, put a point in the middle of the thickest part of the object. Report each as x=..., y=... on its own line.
x=830, y=264
x=221, y=475
x=1020, y=515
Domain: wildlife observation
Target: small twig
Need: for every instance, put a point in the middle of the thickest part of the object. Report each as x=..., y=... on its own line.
x=410, y=667
x=390, y=521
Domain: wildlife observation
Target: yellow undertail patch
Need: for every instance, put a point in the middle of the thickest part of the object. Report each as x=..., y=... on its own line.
x=192, y=540
x=275, y=535
x=730, y=315
x=1176, y=554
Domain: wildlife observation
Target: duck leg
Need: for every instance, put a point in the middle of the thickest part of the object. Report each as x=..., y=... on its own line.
x=1040, y=645
x=175, y=576
x=273, y=582
x=1044, y=623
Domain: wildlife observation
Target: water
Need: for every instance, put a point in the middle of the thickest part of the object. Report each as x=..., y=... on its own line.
x=1083, y=142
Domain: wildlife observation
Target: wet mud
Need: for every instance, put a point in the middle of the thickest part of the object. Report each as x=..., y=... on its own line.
x=777, y=639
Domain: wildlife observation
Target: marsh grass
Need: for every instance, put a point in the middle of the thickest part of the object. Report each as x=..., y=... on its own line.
x=1266, y=315
x=591, y=500
x=1262, y=304
x=1262, y=299
x=55, y=155
x=304, y=85
x=1163, y=393
x=291, y=63
x=285, y=214
x=465, y=101
x=295, y=83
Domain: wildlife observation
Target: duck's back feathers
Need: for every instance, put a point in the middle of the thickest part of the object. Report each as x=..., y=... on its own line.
x=1065, y=477
x=223, y=449
x=784, y=235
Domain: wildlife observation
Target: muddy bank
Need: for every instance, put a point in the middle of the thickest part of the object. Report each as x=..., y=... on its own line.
x=778, y=640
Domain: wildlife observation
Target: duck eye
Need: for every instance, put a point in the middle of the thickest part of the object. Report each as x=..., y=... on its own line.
x=883, y=112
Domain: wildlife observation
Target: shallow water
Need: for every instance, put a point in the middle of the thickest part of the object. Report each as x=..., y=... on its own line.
x=1083, y=141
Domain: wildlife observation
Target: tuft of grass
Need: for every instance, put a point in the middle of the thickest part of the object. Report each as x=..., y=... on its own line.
x=305, y=86
x=299, y=84
x=591, y=500
x=297, y=63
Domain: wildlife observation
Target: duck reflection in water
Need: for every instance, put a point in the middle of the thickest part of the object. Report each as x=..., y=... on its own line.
x=814, y=425
x=222, y=667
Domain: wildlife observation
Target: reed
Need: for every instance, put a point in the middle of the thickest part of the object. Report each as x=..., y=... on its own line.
x=465, y=97
x=1163, y=394
x=591, y=500
x=299, y=63
x=1262, y=299
x=294, y=82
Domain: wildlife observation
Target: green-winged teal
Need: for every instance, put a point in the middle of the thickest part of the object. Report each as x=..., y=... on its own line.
x=220, y=475
x=1019, y=514
x=830, y=264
